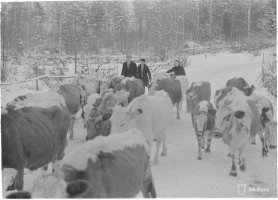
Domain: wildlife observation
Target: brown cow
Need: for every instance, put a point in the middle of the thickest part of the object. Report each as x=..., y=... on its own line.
x=34, y=130
x=116, y=166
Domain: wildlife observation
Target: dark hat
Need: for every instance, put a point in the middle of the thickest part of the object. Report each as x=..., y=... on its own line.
x=142, y=59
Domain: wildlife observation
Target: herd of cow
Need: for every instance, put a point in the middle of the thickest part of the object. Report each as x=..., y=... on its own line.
x=122, y=122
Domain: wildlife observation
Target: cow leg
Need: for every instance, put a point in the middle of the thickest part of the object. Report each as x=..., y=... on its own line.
x=266, y=140
x=72, y=119
x=181, y=102
x=148, y=188
x=164, y=145
x=19, y=179
x=207, y=150
x=253, y=140
x=233, y=170
x=178, y=110
x=199, y=140
x=264, y=150
x=156, y=157
x=242, y=163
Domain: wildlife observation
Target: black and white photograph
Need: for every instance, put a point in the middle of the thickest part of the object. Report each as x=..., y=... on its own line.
x=139, y=99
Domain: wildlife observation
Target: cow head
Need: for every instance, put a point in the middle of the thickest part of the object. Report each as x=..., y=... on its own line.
x=123, y=119
x=116, y=83
x=152, y=87
x=229, y=123
x=191, y=100
x=98, y=124
x=271, y=134
x=202, y=113
x=45, y=186
x=248, y=90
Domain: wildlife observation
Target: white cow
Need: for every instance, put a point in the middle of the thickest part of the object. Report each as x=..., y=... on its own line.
x=149, y=114
x=238, y=120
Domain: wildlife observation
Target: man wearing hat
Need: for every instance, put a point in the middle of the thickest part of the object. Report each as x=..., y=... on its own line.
x=129, y=68
x=144, y=73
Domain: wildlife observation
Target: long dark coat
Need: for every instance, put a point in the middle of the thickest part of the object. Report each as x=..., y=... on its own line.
x=131, y=71
x=146, y=76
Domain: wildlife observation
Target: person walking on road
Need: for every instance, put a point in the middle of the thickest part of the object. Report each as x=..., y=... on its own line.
x=129, y=68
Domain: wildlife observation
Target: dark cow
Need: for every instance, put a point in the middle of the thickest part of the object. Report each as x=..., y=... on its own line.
x=116, y=166
x=135, y=87
x=241, y=84
x=203, y=119
x=172, y=87
x=198, y=91
x=33, y=133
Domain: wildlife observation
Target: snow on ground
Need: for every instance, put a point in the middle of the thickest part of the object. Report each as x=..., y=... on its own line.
x=180, y=174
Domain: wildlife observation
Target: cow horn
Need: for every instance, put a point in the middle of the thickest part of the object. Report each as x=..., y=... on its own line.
x=79, y=189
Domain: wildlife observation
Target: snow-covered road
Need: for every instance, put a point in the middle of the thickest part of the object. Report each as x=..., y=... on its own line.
x=180, y=174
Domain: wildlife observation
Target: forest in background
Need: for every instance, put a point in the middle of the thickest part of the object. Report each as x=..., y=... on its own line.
x=85, y=28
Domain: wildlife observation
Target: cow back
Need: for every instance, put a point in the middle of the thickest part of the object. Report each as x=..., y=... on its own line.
x=34, y=136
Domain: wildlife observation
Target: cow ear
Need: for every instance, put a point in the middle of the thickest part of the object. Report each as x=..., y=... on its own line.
x=19, y=195
x=239, y=114
x=106, y=116
x=136, y=113
x=265, y=110
x=78, y=189
x=121, y=104
x=212, y=111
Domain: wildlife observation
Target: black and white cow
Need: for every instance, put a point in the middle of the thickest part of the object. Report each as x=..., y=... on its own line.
x=238, y=120
x=116, y=166
x=34, y=129
x=241, y=84
x=203, y=119
x=264, y=105
x=198, y=91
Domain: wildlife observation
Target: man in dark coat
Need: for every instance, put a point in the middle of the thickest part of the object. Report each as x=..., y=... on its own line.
x=144, y=73
x=177, y=70
x=129, y=68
